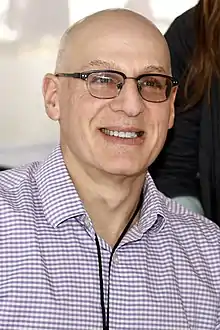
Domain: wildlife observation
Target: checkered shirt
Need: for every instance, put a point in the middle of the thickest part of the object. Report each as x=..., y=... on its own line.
x=165, y=273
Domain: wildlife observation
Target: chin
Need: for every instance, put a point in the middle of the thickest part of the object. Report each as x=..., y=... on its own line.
x=123, y=169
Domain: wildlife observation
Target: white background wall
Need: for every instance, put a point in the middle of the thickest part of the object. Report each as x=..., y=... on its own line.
x=26, y=133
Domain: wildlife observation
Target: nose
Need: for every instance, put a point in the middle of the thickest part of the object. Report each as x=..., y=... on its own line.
x=129, y=99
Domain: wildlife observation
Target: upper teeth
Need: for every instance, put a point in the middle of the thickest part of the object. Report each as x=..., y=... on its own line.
x=127, y=135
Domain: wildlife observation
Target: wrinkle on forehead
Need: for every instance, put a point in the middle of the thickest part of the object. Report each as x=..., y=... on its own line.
x=111, y=65
x=103, y=23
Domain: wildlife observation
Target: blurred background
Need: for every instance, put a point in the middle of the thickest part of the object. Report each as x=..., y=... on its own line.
x=29, y=35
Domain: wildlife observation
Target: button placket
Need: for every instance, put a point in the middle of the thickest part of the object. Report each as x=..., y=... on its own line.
x=115, y=259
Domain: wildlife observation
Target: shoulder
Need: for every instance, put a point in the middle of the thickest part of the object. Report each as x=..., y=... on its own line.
x=185, y=18
x=194, y=242
x=16, y=185
x=188, y=225
x=12, y=178
x=181, y=38
x=182, y=24
x=196, y=238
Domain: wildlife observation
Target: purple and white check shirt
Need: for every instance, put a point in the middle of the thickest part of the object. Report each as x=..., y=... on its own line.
x=165, y=273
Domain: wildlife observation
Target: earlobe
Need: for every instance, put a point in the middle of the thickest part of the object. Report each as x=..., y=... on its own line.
x=50, y=92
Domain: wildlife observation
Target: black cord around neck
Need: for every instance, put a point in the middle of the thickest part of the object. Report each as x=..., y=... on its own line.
x=105, y=317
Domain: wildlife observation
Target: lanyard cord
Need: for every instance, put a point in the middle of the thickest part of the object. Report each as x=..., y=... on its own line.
x=105, y=318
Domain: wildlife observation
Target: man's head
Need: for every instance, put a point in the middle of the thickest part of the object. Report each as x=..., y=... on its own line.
x=108, y=122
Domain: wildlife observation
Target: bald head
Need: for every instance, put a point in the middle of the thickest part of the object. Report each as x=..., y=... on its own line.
x=81, y=36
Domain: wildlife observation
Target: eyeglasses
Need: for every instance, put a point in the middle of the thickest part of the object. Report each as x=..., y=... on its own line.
x=107, y=84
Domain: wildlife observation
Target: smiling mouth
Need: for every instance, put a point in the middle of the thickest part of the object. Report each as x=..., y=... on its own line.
x=122, y=134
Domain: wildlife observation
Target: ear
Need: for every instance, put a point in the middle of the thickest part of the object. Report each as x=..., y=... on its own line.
x=172, y=107
x=50, y=88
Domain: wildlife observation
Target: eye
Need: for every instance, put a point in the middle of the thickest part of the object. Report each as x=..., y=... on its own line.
x=103, y=80
x=153, y=82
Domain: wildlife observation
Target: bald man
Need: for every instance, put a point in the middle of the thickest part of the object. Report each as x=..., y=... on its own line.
x=87, y=241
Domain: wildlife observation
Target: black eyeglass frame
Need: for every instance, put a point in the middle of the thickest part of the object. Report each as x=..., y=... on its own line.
x=84, y=76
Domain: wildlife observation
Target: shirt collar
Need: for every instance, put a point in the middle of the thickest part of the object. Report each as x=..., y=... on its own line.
x=153, y=212
x=60, y=199
x=58, y=194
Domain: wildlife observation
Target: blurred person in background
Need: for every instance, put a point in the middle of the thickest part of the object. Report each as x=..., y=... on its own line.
x=188, y=169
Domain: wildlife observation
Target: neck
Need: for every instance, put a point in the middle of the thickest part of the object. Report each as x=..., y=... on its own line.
x=109, y=200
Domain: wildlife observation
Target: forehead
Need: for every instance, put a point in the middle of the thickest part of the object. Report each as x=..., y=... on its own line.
x=111, y=65
x=121, y=47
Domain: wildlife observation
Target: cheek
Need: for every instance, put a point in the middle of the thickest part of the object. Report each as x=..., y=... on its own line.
x=89, y=111
x=163, y=125
x=77, y=115
x=160, y=116
x=156, y=137
x=157, y=126
x=68, y=116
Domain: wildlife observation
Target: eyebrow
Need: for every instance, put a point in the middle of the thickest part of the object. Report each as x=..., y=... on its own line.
x=112, y=65
x=101, y=63
x=154, y=69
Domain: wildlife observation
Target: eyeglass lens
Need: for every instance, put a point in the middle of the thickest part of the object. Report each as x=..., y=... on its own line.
x=152, y=88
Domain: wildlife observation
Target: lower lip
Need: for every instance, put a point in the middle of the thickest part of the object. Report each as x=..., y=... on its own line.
x=117, y=140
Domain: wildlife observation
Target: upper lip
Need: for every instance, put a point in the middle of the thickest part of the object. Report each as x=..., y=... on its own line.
x=122, y=129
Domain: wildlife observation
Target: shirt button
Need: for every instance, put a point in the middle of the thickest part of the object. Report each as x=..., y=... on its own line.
x=115, y=259
x=87, y=222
